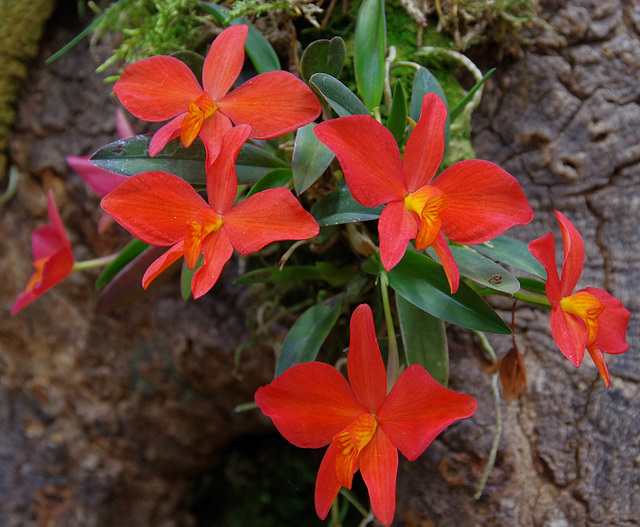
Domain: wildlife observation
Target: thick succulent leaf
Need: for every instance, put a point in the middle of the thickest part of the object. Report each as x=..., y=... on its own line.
x=292, y=273
x=340, y=98
x=308, y=334
x=397, y=121
x=370, y=49
x=310, y=158
x=323, y=56
x=278, y=177
x=512, y=252
x=424, y=82
x=340, y=207
x=126, y=255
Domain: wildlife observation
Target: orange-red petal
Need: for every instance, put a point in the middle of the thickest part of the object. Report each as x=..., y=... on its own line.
x=327, y=484
x=224, y=61
x=217, y=250
x=573, y=255
x=543, y=249
x=612, y=323
x=162, y=263
x=598, y=359
x=396, y=227
x=570, y=335
x=449, y=265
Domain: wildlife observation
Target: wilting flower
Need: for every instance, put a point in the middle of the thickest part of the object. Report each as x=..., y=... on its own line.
x=52, y=255
x=161, y=87
x=470, y=202
x=162, y=209
x=312, y=405
x=589, y=318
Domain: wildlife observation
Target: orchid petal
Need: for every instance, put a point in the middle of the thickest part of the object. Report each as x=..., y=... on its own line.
x=418, y=408
x=425, y=146
x=485, y=201
x=379, y=469
x=309, y=404
x=449, y=265
x=217, y=250
x=268, y=216
x=369, y=157
x=97, y=179
x=162, y=263
x=573, y=255
x=212, y=132
x=396, y=227
x=222, y=182
x=157, y=88
x=612, y=323
x=273, y=103
x=543, y=249
x=570, y=335
x=224, y=61
x=166, y=133
x=598, y=359
x=327, y=484
x=154, y=206
x=365, y=368
x=123, y=127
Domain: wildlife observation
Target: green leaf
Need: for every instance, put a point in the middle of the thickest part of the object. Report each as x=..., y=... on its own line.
x=308, y=334
x=310, y=158
x=370, y=49
x=193, y=60
x=482, y=270
x=424, y=82
x=340, y=98
x=423, y=282
x=278, y=177
x=535, y=286
x=340, y=207
x=457, y=109
x=397, y=121
x=323, y=56
x=292, y=273
x=425, y=340
x=130, y=251
x=186, y=276
x=512, y=252
x=258, y=48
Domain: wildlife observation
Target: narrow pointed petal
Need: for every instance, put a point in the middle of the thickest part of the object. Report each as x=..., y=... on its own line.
x=327, y=484
x=222, y=182
x=449, y=265
x=485, y=201
x=273, y=103
x=157, y=88
x=268, y=216
x=100, y=181
x=154, y=206
x=369, y=157
x=425, y=146
x=570, y=335
x=598, y=359
x=224, y=61
x=349, y=443
x=365, y=368
x=396, y=227
x=166, y=133
x=573, y=255
x=162, y=263
x=612, y=323
x=212, y=132
x=418, y=408
x=217, y=250
x=379, y=469
x=309, y=404
x=543, y=249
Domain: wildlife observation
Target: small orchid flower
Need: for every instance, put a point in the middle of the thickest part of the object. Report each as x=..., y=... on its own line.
x=470, y=202
x=162, y=209
x=159, y=88
x=53, y=258
x=312, y=405
x=589, y=318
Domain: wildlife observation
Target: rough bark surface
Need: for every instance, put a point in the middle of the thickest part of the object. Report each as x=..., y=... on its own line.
x=107, y=420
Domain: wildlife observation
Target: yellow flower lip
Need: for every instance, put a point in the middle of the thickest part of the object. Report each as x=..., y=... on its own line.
x=428, y=203
x=200, y=109
x=205, y=222
x=349, y=444
x=587, y=308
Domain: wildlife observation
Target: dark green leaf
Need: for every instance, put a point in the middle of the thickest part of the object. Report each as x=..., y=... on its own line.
x=535, y=286
x=310, y=158
x=369, y=53
x=457, y=109
x=512, y=252
x=340, y=207
x=424, y=82
x=423, y=282
x=425, y=340
x=308, y=334
x=397, y=121
x=278, y=177
x=340, y=98
x=130, y=251
x=323, y=56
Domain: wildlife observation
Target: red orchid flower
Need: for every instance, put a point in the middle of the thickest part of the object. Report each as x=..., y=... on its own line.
x=470, y=202
x=53, y=258
x=161, y=87
x=589, y=318
x=312, y=405
x=162, y=209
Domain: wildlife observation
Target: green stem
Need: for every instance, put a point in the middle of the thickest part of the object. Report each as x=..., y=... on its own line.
x=96, y=262
x=351, y=499
x=12, y=185
x=393, y=361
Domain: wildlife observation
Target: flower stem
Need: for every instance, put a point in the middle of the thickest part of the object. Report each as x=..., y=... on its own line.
x=393, y=361
x=96, y=262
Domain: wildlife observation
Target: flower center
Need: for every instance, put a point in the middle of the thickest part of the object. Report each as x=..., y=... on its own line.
x=428, y=203
x=587, y=308
x=36, y=278
x=205, y=222
x=349, y=444
x=199, y=109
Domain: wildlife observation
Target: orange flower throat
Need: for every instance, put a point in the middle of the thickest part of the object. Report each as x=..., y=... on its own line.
x=199, y=110
x=350, y=443
x=205, y=222
x=587, y=308
x=428, y=203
